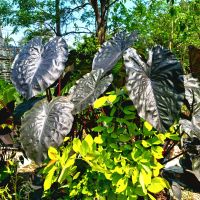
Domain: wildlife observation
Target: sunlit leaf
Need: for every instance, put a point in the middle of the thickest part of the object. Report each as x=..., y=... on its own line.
x=53, y=153
x=98, y=140
x=76, y=176
x=100, y=102
x=84, y=149
x=121, y=185
x=157, y=151
x=88, y=89
x=36, y=67
x=192, y=94
x=135, y=175
x=45, y=125
x=157, y=185
x=89, y=141
x=76, y=145
x=148, y=126
x=111, y=51
x=155, y=87
x=49, y=178
x=111, y=98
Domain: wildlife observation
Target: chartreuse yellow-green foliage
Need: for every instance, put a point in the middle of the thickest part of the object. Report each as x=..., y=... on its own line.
x=121, y=159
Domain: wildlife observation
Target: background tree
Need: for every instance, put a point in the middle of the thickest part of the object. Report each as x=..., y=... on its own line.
x=175, y=26
x=101, y=10
x=57, y=16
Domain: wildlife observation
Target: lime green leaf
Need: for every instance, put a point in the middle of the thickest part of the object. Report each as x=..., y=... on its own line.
x=48, y=180
x=124, y=138
x=76, y=176
x=65, y=155
x=142, y=182
x=76, y=145
x=118, y=169
x=89, y=141
x=111, y=98
x=121, y=185
x=172, y=136
x=48, y=167
x=70, y=161
x=139, y=191
x=98, y=140
x=100, y=102
x=146, y=176
x=113, y=111
x=53, y=153
x=105, y=119
x=156, y=168
x=98, y=168
x=155, y=140
x=129, y=110
x=157, y=152
x=148, y=126
x=98, y=129
x=114, y=146
x=157, y=185
x=135, y=175
x=63, y=175
x=73, y=193
x=172, y=129
x=146, y=144
x=161, y=137
x=66, y=139
x=135, y=154
x=110, y=129
x=84, y=149
x=146, y=167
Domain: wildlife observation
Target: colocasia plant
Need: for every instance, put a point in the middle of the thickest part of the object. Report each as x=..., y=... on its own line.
x=157, y=88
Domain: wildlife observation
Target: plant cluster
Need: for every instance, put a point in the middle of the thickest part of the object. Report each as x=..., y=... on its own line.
x=120, y=160
x=123, y=149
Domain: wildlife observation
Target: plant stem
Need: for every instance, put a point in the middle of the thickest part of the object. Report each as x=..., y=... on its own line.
x=59, y=86
x=48, y=94
x=173, y=157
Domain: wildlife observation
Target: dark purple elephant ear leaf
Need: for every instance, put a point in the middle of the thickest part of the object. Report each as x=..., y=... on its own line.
x=88, y=89
x=156, y=87
x=192, y=95
x=111, y=51
x=36, y=67
x=44, y=125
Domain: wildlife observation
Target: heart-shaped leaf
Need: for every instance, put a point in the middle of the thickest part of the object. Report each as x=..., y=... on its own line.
x=36, y=67
x=192, y=95
x=192, y=92
x=155, y=87
x=45, y=125
x=112, y=50
x=88, y=89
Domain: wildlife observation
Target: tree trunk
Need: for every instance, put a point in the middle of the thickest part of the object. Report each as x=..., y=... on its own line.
x=58, y=25
x=101, y=32
x=100, y=12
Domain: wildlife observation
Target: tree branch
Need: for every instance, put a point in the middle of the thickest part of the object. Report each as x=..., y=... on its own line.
x=77, y=8
x=111, y=4
x=76, y=32
x=94, y=5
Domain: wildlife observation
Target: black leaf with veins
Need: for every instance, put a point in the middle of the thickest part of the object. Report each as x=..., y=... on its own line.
x=111, y=51
x=36, y=67
x=156, y=87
